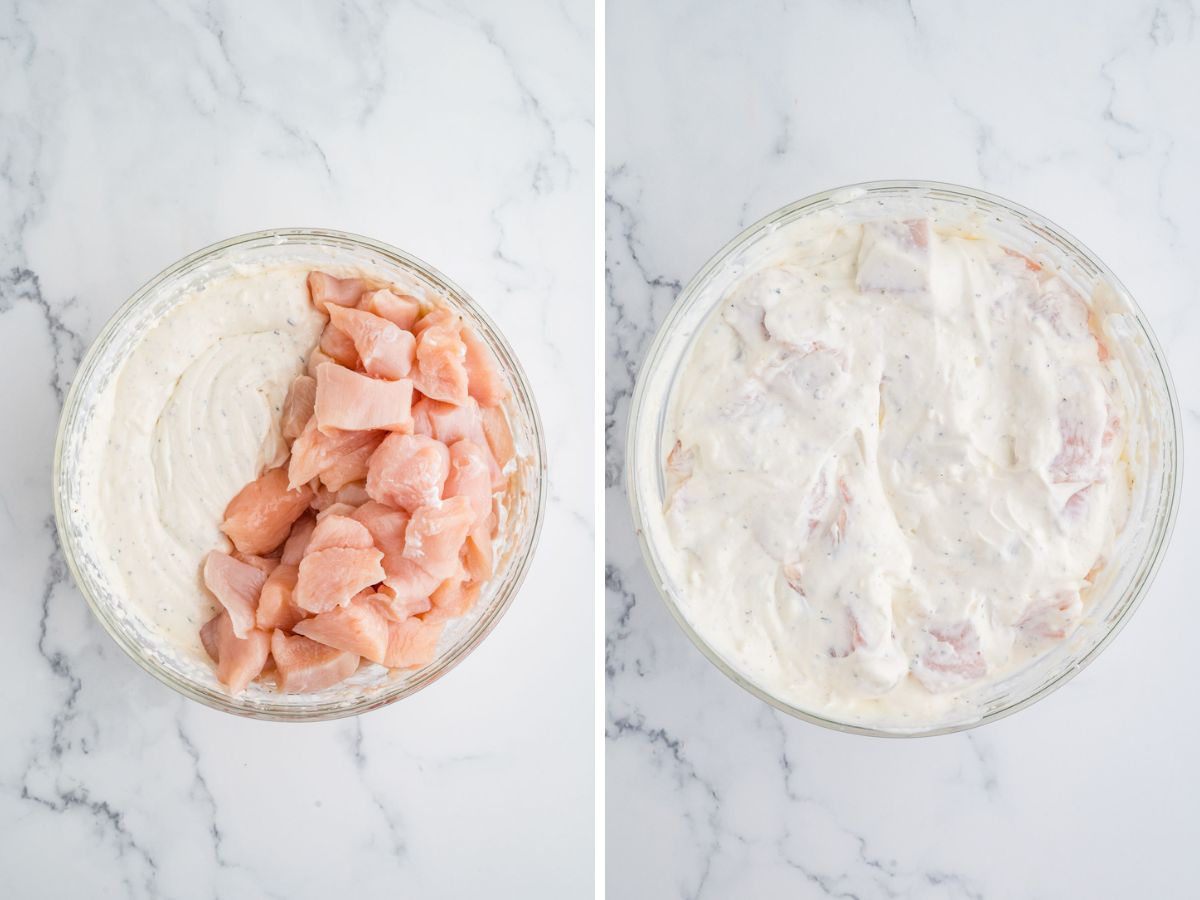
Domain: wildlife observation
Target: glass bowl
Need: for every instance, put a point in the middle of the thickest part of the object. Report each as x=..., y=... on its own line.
x=372, y=686
x=1145, y=537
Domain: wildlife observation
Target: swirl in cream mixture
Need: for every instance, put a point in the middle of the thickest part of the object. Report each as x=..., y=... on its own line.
x=192, y=415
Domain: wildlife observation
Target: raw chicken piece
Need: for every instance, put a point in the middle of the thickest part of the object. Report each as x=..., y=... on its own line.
x=498, y=435
x=680, y=464
x=441, y=317
x=949, y=657
x=1066, y=312
x=315, y=360
x=894, y=257
x=412, y=644
x=355, y=570
x=386, y=525
x=339, y=531
x=399, y=310
x=315, y=452
x=436, y=534
x=338, y=346
x=441, y=371
x=260, y=516
x=385, y=349
x=264, y=564
x=275, y=606
x=352, y=466
x=449, y=423
x=239, y=659
x=469, y=477
x=325, y=289
x=478, y=551
x=408, y=471
x=348, y=401
x=297, y=542
x=483, y=380
x=306, y=665
x=337, y=508
x=1088, y=428
x=359, y=627
x=1053, y=616
x=454, y=597
x=236, y=585
x=407, y=585
x=330, y=577
x=396, y=608
x=298, y=406
x=410, y=584
x=354, y=493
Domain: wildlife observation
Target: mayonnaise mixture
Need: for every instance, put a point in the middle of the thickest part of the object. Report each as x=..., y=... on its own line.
x=896, y=465
x=189, y=418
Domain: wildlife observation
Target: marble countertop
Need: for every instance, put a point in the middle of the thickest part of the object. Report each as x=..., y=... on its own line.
x=137, y=132
x=716, y=116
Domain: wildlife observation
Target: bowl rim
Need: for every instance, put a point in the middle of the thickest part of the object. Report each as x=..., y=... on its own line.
x=513, y=368
x=1164, y=521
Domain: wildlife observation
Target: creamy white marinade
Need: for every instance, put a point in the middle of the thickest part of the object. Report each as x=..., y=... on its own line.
x=190, y=416
x=896, y=464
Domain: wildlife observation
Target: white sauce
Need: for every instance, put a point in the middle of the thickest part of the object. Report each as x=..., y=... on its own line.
x=189, y=418
x=899, y=457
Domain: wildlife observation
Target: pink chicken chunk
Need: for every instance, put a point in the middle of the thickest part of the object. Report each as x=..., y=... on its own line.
x=379, y=527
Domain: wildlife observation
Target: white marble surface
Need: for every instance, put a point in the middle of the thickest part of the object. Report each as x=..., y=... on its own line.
x=134, y=133
x=717, y=115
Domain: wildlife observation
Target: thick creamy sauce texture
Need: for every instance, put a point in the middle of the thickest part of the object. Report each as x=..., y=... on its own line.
x=895, y=466
x=191, y=416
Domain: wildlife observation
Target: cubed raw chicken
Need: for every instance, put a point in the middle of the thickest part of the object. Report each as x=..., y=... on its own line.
x=236, y=585
x=483, y=379
x=400, y=310
x=330, y=577
x=469, y=477
x=336, y=530
x=894, y=257
x=259, y=518
x=298, y=406
x=371, y=537
x=478, y=552
x=304, y=665
x=454, y=597
x=385, y=349
x=275, y=606
x=353, y=466
x=436, y=534
x=412, y=643
x=339, y=347
x=239, y=659
x=359, y=627
x=297, y=542
x=498, y=435
x=349, y=401
x=441, y=371
x=315, y=451
x=326, y=289
x=949, y=657
x=408, y=471
x=449, y=423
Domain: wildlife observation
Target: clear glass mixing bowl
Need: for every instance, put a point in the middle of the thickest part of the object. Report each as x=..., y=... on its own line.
x=1145, y=537
x=372, y=686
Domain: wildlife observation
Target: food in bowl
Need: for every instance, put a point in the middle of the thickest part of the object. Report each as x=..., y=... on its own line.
x=379, y=527
x=896, y=458
x=190, y=430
